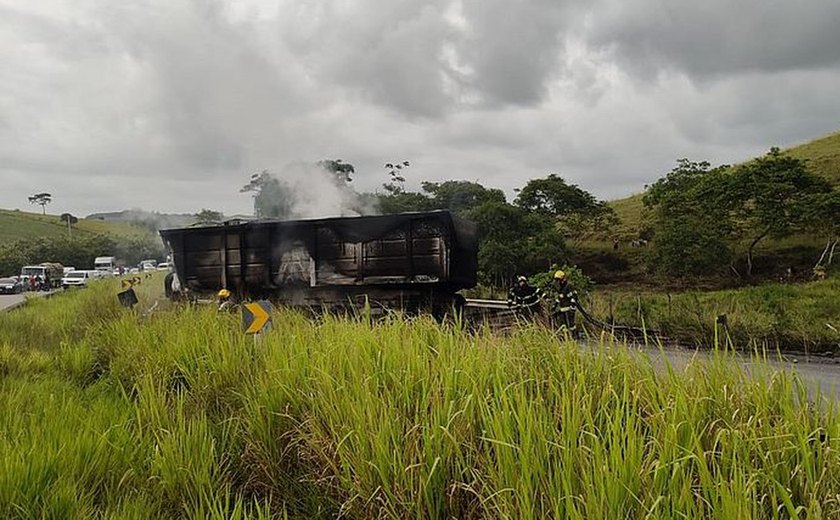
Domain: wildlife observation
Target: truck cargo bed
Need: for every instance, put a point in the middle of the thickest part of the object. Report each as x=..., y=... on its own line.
x=318, y=260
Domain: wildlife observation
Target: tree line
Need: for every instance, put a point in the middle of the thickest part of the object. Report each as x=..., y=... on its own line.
x=706, y=220
x=78, y=252
x=524, y=236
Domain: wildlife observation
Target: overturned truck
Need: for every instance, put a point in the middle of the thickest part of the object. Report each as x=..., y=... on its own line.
x=410, y=261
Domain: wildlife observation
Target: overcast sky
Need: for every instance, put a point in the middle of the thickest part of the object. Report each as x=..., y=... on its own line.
x=169, y=105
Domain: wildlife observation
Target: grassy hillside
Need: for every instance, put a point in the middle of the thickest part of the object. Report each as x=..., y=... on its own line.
x=16, y=225
x=823, y=156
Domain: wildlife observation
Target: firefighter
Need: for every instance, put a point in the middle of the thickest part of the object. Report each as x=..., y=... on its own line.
x=525, y=298
x=224, y=300
x=565, y=302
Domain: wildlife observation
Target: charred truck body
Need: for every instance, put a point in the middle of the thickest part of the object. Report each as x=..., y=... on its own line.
x=411, y=261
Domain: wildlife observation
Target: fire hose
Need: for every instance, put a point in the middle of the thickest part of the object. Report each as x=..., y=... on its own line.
x=611, y=327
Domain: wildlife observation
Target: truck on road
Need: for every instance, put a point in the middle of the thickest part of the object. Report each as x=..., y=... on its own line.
x=410, y=261
x=105, y=264
x=48, y=273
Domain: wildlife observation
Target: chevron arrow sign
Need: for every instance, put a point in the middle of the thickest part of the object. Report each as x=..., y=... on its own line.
x=255, y=316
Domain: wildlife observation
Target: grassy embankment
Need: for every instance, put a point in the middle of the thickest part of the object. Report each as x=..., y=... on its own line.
x=822, y=155
x=114, y=414
x=21, y=225
x=785, y=316
x=627, y=265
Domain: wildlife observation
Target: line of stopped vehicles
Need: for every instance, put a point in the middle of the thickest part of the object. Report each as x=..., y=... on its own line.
x=48, y=276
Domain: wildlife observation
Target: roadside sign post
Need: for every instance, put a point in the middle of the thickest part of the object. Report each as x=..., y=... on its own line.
x=256, y=316
x=128, y=298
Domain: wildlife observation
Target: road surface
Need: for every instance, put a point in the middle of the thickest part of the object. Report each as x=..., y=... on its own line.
x=10, y=301
x=818, y=373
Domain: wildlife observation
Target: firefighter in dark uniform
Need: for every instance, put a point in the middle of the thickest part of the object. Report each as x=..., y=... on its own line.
x=565, y=302
x=525, y=298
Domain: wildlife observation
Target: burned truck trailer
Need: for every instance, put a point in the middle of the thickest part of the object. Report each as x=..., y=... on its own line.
x=412, y=261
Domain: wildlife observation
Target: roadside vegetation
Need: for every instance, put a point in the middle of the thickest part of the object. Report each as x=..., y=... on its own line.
x=788, y=317
x=111, y=413
x=79, y=252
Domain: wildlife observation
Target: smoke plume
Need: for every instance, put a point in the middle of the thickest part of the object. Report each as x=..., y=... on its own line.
x=306, y=190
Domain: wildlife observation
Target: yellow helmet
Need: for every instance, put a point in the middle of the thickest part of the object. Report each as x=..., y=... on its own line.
x=559, y=275
x=224, y=293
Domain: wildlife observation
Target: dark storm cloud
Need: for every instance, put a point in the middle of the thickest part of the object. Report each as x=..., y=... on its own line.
x=512, y=48
x=718, y=37
x=171, y=104
x=389, y=53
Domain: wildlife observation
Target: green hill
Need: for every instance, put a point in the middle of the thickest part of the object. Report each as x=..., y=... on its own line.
x=823, y=156
x=17, y=225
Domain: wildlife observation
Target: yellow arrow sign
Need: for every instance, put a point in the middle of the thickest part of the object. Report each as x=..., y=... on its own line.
x=255, y=316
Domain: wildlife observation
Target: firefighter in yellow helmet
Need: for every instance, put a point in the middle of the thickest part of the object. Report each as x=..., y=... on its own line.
x=565, y=302
x=224, y=300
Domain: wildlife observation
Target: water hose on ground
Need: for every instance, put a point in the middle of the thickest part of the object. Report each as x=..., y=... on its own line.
x=626, y=329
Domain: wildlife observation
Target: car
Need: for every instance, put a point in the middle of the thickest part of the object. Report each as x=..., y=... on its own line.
x=68, y=269
x=76, y=279
x=163, y=266
x=11, y=285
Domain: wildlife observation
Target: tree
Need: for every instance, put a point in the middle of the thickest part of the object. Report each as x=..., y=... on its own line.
x=458, y=197
x=822, y=216
x=688, y=246
x=513, y=241
x=70, y=220
x=576, y=210
x=396, y=182
x=42, y=199
x=341, y=170
x=461, y=196
x=403, y=201
x=693, y=224
x=272, y=197
x=208, y=216
x=772, y=195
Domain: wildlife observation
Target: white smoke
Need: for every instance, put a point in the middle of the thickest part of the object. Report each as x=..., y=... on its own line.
x=316, y=192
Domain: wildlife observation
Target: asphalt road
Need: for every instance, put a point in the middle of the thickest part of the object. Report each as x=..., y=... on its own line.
x=10, y=300
x=818, y=373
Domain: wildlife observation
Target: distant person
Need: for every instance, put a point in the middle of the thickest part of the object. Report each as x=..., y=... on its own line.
x=615, y=245
x=524, y=298
x=565, y=302
x=31, y=282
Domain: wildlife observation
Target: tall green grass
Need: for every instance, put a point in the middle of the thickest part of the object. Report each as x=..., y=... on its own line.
x=176, y=413
x=786, y=316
